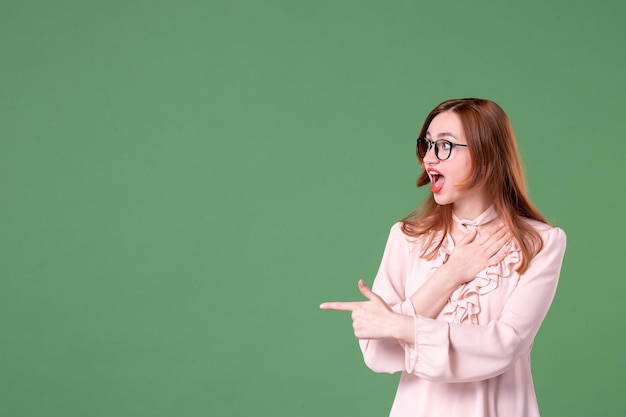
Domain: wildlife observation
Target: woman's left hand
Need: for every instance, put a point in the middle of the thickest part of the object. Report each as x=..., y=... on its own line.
x=371, y=319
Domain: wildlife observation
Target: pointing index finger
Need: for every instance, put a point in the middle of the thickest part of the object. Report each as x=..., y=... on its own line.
x=340, y=305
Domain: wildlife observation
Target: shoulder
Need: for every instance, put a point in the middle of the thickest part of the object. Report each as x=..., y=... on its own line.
x=552, y=237
x=397, y=233
x=398, y=238
x=396, y=229
x=542, y=228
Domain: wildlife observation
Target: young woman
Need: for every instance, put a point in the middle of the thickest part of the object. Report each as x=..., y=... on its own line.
x=466, y=280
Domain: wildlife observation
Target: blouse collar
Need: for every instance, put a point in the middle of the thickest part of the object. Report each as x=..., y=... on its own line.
x=466, y=225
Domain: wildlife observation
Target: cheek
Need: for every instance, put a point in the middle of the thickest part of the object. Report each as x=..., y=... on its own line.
x=461, y=168
x=467, y=171
x=465, y=166
x=461, y=173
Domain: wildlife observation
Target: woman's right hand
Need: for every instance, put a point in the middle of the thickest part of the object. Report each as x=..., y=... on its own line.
x=475, y=253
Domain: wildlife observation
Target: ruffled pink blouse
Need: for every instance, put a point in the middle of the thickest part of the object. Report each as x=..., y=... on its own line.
x=473, y=359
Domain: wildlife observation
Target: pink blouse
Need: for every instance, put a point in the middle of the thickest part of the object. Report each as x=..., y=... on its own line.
x=474, y=358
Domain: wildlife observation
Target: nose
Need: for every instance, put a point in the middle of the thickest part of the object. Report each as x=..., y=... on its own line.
x=430, y=157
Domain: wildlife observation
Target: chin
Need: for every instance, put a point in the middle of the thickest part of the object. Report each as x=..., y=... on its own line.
x=442, y=200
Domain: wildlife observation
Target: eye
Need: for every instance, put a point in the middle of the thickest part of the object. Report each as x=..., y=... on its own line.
x=444, y=145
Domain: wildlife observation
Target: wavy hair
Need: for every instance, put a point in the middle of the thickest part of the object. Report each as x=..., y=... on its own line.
x=496, y=167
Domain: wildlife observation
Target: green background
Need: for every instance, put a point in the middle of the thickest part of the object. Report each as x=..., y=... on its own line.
x=182, y=183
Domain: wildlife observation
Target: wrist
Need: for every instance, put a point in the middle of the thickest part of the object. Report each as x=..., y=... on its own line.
x=402, y=329
x=448, y=278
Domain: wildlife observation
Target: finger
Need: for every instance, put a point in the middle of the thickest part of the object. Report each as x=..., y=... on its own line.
x=340, y=305
x=495, y=233
x=365, y=290
x=501, y=254
x=488, y=239
x=496, y=244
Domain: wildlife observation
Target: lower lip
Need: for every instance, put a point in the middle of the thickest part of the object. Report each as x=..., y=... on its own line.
x=435, y=189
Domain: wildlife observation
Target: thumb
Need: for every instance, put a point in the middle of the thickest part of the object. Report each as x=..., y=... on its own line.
x=367, y=293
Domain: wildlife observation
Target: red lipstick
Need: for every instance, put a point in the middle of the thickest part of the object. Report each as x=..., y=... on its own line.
x=436, y=180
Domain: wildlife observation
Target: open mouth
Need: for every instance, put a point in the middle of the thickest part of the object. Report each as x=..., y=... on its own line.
x=436, y=180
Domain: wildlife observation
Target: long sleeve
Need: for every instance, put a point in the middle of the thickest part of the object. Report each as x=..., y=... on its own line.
x=451, y=352
x=387, y=355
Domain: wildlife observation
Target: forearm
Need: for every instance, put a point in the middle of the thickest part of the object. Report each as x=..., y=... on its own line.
x=431, y=297
x=403, y=329
x=427, y=301
x=453, y=352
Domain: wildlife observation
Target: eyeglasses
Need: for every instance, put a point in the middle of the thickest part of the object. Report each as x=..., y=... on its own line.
x=443, y=148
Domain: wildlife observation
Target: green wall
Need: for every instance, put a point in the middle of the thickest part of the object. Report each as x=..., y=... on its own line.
x=182, y=183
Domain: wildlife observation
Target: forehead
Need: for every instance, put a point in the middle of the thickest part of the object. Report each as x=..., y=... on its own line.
x=446, y=124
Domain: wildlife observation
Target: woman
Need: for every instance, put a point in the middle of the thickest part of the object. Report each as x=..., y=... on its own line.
x=466, y=280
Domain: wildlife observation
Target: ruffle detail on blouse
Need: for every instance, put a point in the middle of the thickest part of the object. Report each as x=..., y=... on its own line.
x=464, y=304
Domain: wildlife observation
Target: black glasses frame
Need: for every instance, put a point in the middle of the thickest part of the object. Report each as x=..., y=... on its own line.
x=435, y=144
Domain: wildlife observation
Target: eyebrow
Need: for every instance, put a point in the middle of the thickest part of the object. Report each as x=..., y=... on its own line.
x=444, y=134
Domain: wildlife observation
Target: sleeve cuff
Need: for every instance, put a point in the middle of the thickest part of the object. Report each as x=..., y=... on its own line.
x=410, y=351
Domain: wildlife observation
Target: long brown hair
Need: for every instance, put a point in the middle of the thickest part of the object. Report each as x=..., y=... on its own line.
x=496, y=167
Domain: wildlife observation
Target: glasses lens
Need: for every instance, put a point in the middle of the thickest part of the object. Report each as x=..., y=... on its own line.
x=422, y=147
x=443, y=149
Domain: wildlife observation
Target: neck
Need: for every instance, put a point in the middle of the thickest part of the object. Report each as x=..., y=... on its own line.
x=467, y=225
x=470, y=209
